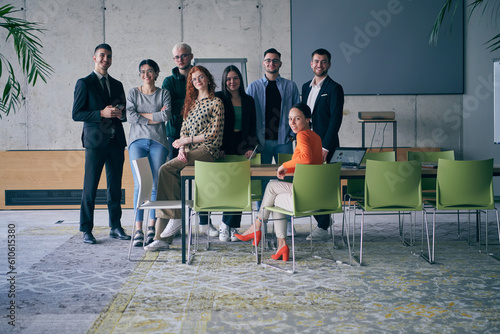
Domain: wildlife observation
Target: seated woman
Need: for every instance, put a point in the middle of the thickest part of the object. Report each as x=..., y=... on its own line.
x=279, y=193
x=201, y=138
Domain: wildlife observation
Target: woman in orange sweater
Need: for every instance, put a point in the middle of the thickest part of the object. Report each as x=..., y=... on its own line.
x=279, y=193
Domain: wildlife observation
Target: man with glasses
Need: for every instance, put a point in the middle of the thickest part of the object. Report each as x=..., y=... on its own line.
x=274, y=97
x=176, y=85
x=325, y=97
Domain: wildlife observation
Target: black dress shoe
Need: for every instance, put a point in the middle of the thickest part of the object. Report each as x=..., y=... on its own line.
x=118, y=233
x=88, y=238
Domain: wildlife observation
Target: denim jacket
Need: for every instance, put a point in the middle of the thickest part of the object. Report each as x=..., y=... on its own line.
x=289, y=96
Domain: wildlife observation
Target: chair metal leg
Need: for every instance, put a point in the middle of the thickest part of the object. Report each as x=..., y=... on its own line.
x=293, y=245
x=361, y=238
x=208, y=232
x=430, y=257
x=192, y=243
x=348, y=242
x=310, y=232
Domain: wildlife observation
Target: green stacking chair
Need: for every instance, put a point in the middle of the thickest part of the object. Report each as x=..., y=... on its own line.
x=356, y=187
x=390, y=186
x=219, y=187
x=256, y=184
x=460, y=185
x=429, y=184
x=315, y=191
x=284, y=157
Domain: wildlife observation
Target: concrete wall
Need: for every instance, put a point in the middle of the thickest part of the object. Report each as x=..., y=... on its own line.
x=478, y=127
x=215, y=29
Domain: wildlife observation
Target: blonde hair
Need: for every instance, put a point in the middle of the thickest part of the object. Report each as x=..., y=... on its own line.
x=182, y=46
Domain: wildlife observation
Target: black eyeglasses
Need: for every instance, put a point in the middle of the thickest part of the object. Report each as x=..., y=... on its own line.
x=274, y=61
x=182, y=56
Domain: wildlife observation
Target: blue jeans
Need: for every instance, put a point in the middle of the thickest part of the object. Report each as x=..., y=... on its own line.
x=157, y=155
x=271, y=150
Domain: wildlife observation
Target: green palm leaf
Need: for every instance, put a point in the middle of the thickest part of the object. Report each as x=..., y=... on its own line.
x=27, y=46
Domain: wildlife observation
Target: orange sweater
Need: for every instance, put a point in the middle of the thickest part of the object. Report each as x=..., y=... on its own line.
x=307, y=152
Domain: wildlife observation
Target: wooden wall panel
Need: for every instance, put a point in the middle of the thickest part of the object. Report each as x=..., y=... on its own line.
x=33, y=170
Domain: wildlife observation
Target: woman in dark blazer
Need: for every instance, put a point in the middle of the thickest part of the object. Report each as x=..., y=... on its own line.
x=240, y=136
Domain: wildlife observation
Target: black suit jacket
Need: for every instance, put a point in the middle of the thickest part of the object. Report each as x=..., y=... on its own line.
x=327, y=113
x=89, y=100
x=248, y=126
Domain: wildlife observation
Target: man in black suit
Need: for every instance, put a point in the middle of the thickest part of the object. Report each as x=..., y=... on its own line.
x=325, y=97
x=99, y=102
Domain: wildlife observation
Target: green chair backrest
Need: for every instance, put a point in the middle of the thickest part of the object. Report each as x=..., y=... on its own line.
x=426, y=156
x=284, y=157
x=256, y=184
x=356, y=187
x=393, y=186
x=465, y=184
x=316, y=188
x=429, y=184
x=222, y=186
x=379, y=156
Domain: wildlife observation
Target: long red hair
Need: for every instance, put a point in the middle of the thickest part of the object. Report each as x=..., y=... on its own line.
x=192, y=92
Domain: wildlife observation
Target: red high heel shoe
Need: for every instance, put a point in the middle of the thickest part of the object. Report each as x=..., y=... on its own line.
x=283, y=251
x=249, y=237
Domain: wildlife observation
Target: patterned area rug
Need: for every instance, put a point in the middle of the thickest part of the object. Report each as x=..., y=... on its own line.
x=225, y=291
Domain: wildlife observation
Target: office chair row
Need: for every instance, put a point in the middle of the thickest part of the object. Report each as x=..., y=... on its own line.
x=389, y=186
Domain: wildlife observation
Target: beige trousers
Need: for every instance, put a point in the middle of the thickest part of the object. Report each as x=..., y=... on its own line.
x=278, y=193
x=169, y=186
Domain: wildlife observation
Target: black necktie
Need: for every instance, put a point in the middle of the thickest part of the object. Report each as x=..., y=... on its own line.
x=105, y=87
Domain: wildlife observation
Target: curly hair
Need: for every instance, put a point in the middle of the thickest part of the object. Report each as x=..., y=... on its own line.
x=192, y=92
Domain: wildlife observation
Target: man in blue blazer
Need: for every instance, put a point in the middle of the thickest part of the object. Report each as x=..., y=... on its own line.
x=99, y=102
x=325, y=97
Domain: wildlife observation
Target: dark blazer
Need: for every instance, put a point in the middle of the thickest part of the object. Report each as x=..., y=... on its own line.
x=89, y=100
x=327, y=113
x=248, y=126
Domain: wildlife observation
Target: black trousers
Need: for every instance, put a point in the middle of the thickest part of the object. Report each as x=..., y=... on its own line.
x=323, y=221
x=111, y=156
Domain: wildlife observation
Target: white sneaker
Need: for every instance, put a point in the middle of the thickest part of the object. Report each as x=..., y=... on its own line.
x=209, y=229
x=233, y=231
x=173, y=226
x=318, y=234
x=224, y=232
x=157, y=245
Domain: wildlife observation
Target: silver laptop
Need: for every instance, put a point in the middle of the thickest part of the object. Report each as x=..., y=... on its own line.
x=350, y=157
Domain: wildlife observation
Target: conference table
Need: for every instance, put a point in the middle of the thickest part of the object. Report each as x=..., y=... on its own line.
x=268, y=172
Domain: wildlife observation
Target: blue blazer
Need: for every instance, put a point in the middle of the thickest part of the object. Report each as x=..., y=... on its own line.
x=89, y=100
x=327, y=113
